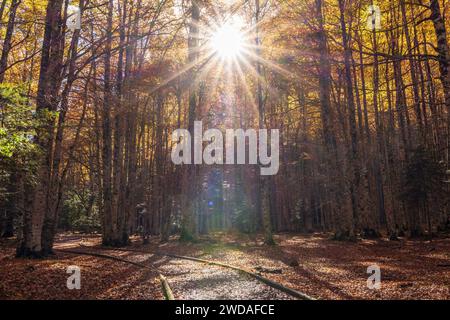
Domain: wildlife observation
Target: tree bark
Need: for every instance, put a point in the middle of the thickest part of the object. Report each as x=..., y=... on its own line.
x=8, y=37
x=353, y=156
x=190, y=179
x=108, y=218
x=443, y=58
x=46, y=104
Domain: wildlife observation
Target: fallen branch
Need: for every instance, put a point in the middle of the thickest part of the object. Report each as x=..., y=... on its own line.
x=268, y=270
x=168, y=294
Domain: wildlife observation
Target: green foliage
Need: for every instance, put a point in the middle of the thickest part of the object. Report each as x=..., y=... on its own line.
x=80, y=212
x=17, y=123
x=18, y=152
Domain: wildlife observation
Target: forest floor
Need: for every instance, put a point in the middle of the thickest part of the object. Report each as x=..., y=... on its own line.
x=312, y=264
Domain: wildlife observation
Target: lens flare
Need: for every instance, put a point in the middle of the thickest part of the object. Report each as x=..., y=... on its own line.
x=228, y=41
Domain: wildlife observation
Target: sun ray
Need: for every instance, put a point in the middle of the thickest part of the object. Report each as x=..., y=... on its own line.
x=246, y=87
x=270, y=64
x=183, y=70
x=227, y=39
x=204, y=73
x=253, y=71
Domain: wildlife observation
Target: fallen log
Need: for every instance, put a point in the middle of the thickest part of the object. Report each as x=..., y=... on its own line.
x=168, y=294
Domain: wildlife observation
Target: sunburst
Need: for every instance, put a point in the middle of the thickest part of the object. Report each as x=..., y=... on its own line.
x=228, y=40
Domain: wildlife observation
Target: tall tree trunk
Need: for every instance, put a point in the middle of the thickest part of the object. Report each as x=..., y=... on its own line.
x=335, y=182
x=353, y=156
x=379, y=149
x=118, y=138
x=190, y=178
x=46, y=104
x=8, y=37
x=55, y=188
x=264, y=181
x=444, y=58
x=108, y=219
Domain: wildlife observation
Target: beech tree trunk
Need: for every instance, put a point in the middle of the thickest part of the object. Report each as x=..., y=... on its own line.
x=190, y=178
x=46, y=104
x=108, y=219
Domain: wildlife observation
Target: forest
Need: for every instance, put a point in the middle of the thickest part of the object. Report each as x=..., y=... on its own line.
x=92, y=91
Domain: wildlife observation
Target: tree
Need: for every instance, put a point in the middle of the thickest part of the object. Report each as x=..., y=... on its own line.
x=46, y=105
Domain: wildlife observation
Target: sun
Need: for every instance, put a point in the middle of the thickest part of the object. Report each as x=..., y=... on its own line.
x=228, y=40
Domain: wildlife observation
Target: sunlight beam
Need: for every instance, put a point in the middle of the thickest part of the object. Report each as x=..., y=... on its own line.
x=228, y=40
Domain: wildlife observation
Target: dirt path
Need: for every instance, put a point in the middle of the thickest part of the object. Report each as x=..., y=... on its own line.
x=196, y=281
x=190, y=280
